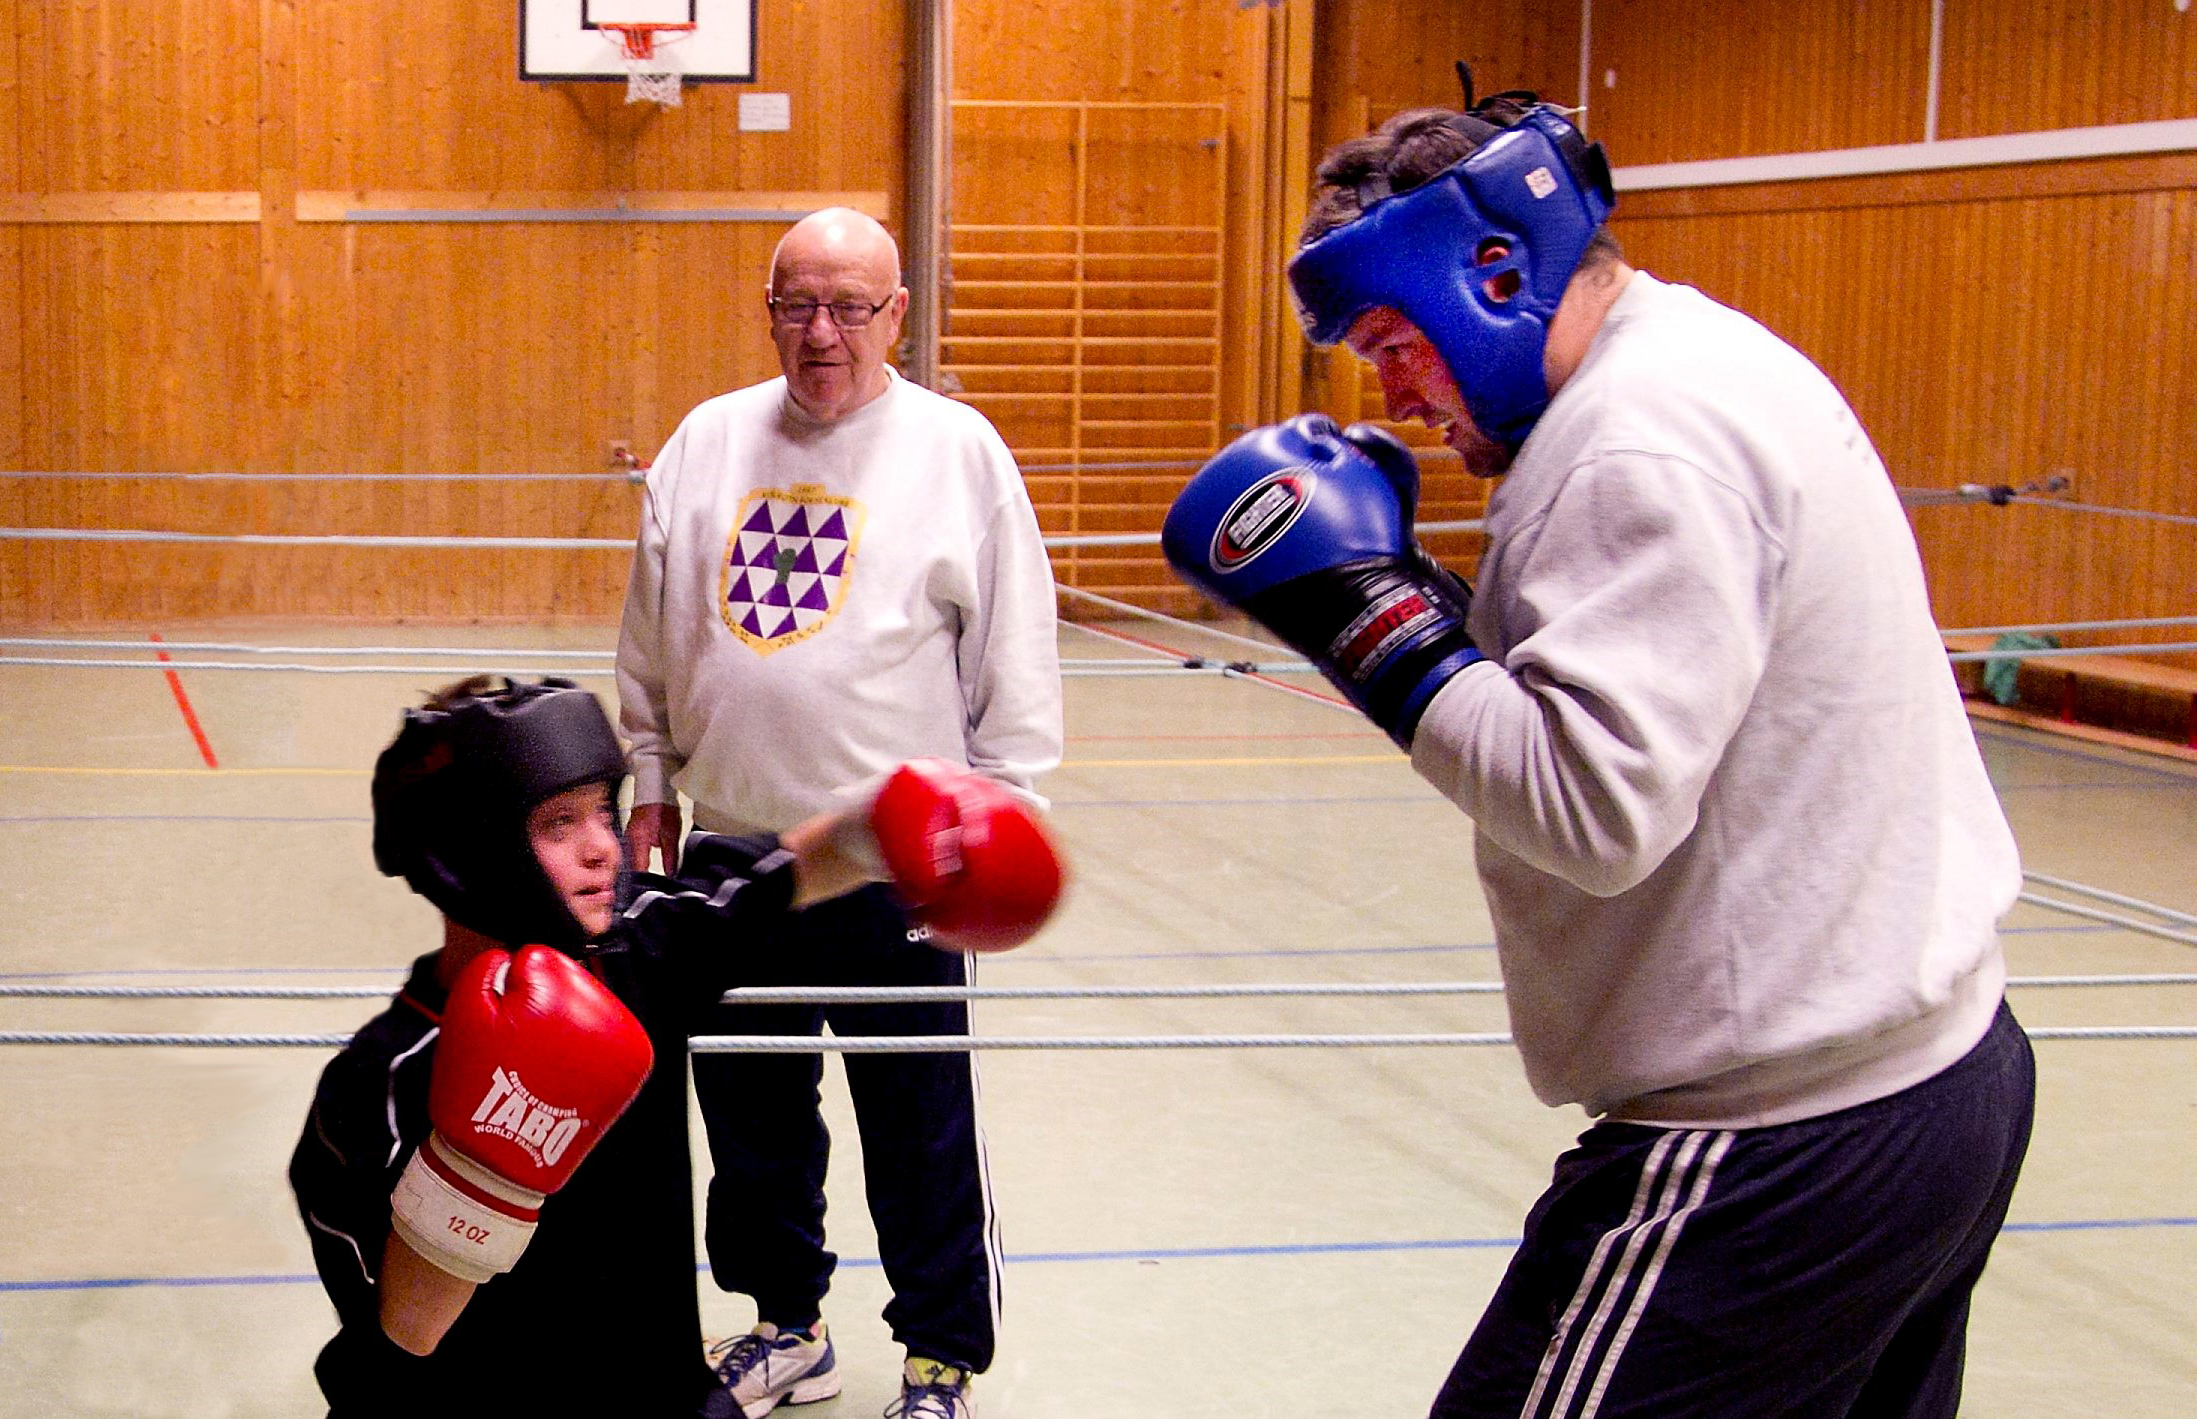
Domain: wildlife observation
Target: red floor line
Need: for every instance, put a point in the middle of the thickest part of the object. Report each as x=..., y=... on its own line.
x=190, y=716
x=1186, y=655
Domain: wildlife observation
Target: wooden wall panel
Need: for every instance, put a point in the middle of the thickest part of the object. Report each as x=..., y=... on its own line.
x=1679, y=80
x=136, y=94
x=12, y=495
x=1991, y=325
x=1095, y=344
x=1387, y=57
x=239, y=339
x=1085, y=319
x=2065, y=64
x=1151, y=50
x=137, y=346
x=2006, y=380
x=11, y=362
x=434, y=102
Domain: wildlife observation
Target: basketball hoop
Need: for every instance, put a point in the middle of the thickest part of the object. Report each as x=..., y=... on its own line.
x=646, y=80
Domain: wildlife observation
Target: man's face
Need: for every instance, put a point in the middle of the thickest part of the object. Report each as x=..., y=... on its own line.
x=833, y=370
x=1416, y=384
x=575, y=838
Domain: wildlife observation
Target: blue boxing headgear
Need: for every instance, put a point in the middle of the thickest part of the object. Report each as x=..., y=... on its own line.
x=452, y=793
x=1535, y=192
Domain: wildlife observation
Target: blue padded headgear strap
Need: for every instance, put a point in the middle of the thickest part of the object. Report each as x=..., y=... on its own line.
x=1537, y=192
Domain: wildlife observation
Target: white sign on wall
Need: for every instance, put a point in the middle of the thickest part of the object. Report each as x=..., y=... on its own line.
x=766, y=113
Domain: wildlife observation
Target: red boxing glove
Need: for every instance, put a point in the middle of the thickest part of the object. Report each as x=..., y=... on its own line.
x=536, y=1060
x=968, y=858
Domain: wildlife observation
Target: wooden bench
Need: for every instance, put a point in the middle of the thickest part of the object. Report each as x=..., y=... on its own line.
x=2074, y=670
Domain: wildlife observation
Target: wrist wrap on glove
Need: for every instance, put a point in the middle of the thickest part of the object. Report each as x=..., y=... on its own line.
x=535, y=1061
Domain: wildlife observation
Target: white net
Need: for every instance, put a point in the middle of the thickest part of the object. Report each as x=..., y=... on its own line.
x=648, y=79
x=645, y=84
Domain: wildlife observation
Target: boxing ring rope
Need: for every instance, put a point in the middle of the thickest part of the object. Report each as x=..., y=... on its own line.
x=1997, y=494
x=1120, y=667
x=2041, y=626
x=2067, y=651
x=601, y=659
x=920, y=994
x=1172, y=661
x=946, y=1044
x=2165, y=933
x=1127, y=608
x=1162, y=660
x=2100, y=894
x=2177, y=519
x=960, y=1044
x=472, y=542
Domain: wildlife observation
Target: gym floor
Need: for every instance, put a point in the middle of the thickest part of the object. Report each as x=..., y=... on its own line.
x=1190, y=1232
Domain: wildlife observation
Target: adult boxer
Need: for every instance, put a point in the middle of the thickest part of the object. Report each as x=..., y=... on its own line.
x=1743, y=861
x=494, y=1178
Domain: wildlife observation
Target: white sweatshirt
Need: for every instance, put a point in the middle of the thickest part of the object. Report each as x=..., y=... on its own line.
x=812, y=603
x=1741, y=853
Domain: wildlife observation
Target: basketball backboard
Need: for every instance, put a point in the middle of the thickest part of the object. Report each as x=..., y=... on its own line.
x=561, y=40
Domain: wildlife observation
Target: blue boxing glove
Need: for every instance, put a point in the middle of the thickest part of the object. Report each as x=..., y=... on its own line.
x=1307, y=528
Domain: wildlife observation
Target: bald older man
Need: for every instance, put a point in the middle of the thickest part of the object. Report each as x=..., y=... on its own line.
x=838, y=570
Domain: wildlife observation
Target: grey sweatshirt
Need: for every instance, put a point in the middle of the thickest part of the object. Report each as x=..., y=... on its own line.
x=813, y=603
x=1742, y=857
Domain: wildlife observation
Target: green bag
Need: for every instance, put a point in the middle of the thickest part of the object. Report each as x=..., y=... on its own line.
x=1998, y=675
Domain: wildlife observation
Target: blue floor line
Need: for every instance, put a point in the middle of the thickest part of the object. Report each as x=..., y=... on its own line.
x=866, y=1263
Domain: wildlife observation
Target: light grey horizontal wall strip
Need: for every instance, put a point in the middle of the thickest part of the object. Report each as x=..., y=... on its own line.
x=571, y=214
x=2113, y=140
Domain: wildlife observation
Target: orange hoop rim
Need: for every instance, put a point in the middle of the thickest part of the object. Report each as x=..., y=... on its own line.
x=638, y=38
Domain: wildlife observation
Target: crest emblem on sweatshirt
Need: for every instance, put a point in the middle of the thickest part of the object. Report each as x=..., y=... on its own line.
x=786, y=564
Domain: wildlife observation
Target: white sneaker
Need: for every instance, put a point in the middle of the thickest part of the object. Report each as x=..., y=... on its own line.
x=766, y=1367
x=931, y=1389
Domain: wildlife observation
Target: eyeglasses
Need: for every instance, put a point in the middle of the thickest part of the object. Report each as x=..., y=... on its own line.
x=847, y=315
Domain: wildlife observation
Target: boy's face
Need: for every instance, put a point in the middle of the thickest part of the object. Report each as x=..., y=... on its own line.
x=575, y=837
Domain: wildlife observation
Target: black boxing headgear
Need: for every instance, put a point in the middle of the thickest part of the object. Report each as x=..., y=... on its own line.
x=452, y=793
